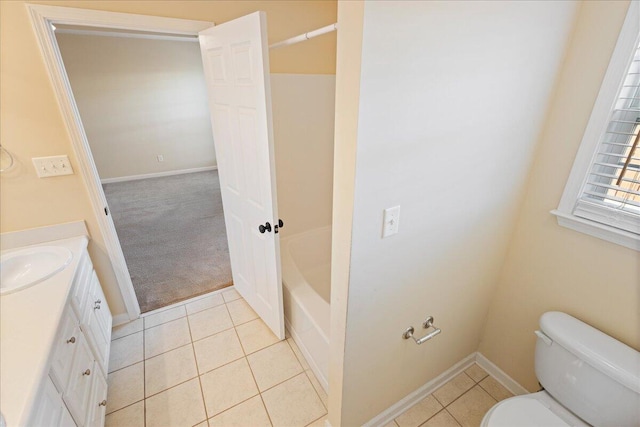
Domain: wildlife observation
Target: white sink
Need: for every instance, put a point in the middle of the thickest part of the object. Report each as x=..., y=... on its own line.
x=27, y=267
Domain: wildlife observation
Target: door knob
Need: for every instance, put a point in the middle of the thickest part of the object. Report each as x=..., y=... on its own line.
x=278, y=226
x=263, y=228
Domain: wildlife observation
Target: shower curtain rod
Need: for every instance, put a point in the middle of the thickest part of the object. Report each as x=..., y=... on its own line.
x=305, y=36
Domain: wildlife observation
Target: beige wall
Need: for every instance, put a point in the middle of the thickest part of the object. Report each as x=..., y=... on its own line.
x=31, y=124
x=303, y=116
x=553, y=268
x=139, y=98
x=452, y=99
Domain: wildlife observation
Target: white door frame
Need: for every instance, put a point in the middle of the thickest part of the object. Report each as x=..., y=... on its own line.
x=42, y=18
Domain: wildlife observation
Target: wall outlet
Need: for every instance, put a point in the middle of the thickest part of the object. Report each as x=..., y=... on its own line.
x=390, y=221
x=52, y=166
x=160, y=158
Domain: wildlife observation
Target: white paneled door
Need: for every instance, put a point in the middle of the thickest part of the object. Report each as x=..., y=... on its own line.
x=236, y=66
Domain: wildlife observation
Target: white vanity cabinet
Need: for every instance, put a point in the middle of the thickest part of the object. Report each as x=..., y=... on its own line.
x=79, y=359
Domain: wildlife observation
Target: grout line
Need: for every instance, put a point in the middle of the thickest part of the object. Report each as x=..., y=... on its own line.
x=123, y=408
x=316, y=390
x=195, y=359
x=451, y=415
x=318, y=419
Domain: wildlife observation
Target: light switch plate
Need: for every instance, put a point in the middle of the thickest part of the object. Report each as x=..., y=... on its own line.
x=52, y=166
x=390, y=221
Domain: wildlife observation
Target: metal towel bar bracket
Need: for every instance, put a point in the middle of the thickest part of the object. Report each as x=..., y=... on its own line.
x=428, y=323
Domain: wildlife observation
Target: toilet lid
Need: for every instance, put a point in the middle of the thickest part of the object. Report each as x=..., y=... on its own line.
x=524, y=412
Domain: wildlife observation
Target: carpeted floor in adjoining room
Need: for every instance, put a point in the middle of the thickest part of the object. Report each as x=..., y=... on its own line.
x=173, y=236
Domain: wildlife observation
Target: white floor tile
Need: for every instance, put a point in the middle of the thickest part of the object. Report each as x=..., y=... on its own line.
x=169, y=369
x=125, y=351
x=164, y=316
x=209, y=322
x=230, y=295
x=316, y=385
x=293, y=403
x=178, y=406
x=227, y=386
x=165, y=337
x=273, y=365
x=298, y=353
x=217, y=350
x=241, y=312
x=125, y=386
x=250, y=413
x=255, y=335
x=131, y=416
x=209, y=301
x=127, y=329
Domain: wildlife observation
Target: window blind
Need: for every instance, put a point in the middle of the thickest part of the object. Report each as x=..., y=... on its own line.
x=611, y=193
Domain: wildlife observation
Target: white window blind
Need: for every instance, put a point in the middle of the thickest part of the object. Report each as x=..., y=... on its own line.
x=611, y=192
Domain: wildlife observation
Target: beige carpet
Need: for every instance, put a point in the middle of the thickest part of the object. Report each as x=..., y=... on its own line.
x=173, y=236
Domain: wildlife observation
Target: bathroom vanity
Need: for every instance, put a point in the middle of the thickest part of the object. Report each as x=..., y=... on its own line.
x=54, y=347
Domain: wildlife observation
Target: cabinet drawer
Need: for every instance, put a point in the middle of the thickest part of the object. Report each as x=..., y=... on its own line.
x=83, y=370
x=64, y=348
x=97, y=402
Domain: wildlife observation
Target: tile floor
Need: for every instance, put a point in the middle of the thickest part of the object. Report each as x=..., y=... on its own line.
x=210, y=362
x=462, y=401
x=213, y=362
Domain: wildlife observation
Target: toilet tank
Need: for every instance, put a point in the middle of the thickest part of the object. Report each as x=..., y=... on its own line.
x=593, y=375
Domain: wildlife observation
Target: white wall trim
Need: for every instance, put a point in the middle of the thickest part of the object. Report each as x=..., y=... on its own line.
x=42, y=18
x=509, y=383
x=401, y=406
x=128, y=35
x=157, y=174
x=120, y=319
x=596, y=229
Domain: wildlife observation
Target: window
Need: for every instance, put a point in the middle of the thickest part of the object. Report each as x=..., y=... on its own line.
x=602, y=196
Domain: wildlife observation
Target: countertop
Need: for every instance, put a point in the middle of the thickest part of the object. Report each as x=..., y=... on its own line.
x=28, y=324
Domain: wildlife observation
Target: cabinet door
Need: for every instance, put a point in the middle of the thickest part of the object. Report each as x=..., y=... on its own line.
x=97, y=402
x=64, y=348
x=67, y=419
x=97, y=323
x=49, y=406
x=80, y=288
x=83, y=370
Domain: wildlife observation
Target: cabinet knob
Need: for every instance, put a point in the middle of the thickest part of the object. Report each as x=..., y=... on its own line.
x=87, y=372
x=98, y=301
x=103, y=403
x=71, y=340
x=96, y=307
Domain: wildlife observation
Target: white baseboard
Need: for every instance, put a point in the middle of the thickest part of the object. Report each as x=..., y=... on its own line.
x=497, y=373
x=324, y=382
x=156, y=175
x=401, y=406
x=120, y=319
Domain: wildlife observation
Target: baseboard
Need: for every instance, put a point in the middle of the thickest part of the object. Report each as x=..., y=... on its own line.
x=401, y=406
x=156, y=174
x=497, y=373
x=305, y=352
x=120, y=319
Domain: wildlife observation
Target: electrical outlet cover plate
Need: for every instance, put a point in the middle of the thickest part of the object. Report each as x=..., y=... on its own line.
x=52, y=166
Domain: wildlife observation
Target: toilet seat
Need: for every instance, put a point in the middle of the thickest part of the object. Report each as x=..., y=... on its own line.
x=531, y=410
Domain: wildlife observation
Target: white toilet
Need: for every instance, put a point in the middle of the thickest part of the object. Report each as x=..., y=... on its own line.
x=588, y=377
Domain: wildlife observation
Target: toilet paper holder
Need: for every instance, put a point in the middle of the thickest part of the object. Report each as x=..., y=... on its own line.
x=428, y=323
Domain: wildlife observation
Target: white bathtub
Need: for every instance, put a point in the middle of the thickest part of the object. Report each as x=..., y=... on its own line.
x=306, y=275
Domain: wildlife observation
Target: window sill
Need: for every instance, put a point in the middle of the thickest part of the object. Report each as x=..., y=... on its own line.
x=601, y=231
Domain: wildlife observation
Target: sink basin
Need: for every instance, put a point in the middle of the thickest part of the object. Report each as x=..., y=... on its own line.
x=27, y=267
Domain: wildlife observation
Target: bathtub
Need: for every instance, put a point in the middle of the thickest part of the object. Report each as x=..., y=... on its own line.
x=306, y=276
